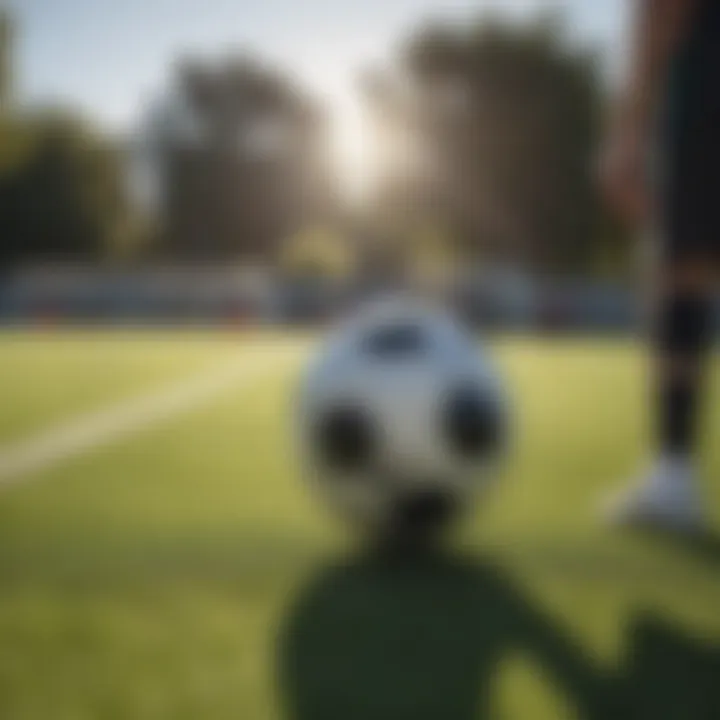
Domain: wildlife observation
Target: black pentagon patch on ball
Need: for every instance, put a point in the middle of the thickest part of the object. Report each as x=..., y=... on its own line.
x=345, y=438
x=396, y=341
x=473, y=422
x=423, y=511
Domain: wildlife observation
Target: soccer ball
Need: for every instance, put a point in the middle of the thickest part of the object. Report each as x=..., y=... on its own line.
x=402, y=419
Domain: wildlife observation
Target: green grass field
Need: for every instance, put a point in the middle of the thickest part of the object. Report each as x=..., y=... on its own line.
x=168, y=573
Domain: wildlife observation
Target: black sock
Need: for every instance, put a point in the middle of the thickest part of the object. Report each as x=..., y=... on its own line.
x=683, y=340
x=678, y=417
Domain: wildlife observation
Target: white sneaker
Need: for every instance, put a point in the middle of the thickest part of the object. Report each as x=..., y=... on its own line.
x=667, y=499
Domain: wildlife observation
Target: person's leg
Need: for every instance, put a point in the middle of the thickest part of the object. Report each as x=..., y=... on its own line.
x=668, y=495
x=682, y=338
x=682, y=335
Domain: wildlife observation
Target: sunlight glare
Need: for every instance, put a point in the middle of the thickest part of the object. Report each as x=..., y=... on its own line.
x=351, y=140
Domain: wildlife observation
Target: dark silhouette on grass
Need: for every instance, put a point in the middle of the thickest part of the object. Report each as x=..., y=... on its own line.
x=704, y=546
x=421, y=639
x=669, y=675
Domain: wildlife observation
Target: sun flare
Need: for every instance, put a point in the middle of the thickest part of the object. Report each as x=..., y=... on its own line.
x=353, y=151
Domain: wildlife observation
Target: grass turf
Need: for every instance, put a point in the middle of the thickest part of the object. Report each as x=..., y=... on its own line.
x=171, y=574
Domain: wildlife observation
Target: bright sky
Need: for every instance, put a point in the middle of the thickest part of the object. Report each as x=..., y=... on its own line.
x=111, y=56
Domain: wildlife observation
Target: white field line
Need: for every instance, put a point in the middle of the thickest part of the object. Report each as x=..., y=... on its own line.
x=88, y=431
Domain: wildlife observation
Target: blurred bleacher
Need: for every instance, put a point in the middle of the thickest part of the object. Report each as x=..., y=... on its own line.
x=178, y=295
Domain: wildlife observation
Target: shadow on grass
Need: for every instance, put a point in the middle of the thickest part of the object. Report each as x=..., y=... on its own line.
x=669, y=675
x=702, y=546
x=422, y=640
x=386, y=640
x=375, y=639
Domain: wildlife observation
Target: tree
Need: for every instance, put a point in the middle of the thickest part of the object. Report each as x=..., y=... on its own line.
x=61, y=191
x=499, y=123
x=239, y=162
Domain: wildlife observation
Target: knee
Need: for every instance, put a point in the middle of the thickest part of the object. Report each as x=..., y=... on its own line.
x=685, y=314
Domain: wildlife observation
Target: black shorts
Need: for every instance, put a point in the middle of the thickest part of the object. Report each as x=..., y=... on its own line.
x=687, y=171
x=688, y=200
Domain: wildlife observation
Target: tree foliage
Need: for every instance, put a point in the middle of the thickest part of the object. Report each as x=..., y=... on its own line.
x=499, y=124
x=61, y=190
x=240, y=162
x=486, y=131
